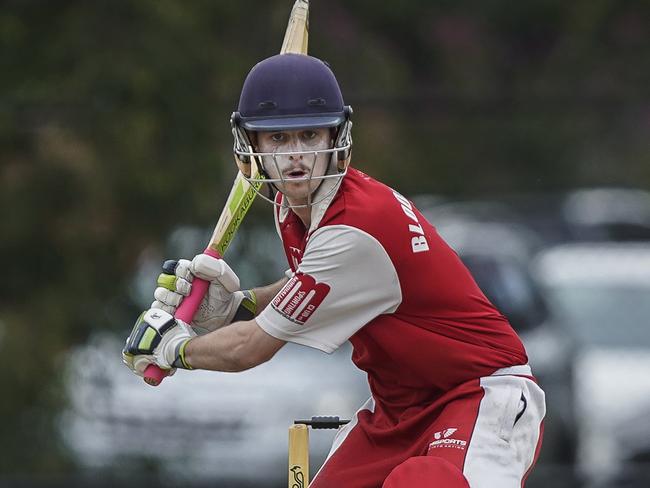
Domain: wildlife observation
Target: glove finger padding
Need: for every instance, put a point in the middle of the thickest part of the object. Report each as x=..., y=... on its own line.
x=213, y=269
x=167, y=308
x=183, y=270
x=168, y=297
x=174, y=283
x=183, y=286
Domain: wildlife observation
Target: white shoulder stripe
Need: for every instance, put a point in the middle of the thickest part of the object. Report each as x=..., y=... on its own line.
x=367, y=246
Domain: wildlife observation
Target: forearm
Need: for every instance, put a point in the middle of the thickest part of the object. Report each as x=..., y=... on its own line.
x=265, y=294
x=236, y=347
x=240, y=345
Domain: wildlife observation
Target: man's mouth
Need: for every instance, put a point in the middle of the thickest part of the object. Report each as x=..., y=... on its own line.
x=296, y=173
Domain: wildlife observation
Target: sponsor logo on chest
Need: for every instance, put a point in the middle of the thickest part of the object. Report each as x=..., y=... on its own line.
x=418, y=241
x=300, y=298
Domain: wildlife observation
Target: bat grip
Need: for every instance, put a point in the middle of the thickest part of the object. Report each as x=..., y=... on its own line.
x=153, y=375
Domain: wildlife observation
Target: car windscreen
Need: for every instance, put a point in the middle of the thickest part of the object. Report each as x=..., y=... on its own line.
x=604, y=315
x=509, y=286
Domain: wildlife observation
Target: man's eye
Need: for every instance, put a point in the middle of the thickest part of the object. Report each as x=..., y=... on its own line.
x=279, y=137
x=308, y=135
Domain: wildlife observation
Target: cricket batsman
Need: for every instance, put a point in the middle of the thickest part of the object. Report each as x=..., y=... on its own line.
x=454, y=403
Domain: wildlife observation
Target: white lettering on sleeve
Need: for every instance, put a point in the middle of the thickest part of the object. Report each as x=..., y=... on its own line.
x=418, y=243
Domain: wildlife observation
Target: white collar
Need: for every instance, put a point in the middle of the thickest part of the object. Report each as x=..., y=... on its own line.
x=318, y=210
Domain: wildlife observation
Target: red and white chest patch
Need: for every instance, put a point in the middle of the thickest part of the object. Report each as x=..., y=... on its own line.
x=300, y=298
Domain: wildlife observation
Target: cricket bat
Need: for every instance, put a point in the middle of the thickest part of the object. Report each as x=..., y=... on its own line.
x=241, y=195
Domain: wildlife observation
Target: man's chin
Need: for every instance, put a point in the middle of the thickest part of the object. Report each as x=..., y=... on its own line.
x=298, y=190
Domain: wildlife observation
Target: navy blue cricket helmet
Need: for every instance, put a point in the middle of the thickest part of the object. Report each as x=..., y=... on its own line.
x=290, y=91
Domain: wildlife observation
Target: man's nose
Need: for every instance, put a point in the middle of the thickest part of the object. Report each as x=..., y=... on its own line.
x=294, y=146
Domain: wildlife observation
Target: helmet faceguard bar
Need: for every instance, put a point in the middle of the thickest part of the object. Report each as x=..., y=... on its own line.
x=291, y=153
x=339, y=159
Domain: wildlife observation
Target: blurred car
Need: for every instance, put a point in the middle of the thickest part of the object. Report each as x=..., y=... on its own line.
x=602, y=292
x=597, y=214
x=607, y=214
x=446, y=212
x=200, y=425
x=499, y=255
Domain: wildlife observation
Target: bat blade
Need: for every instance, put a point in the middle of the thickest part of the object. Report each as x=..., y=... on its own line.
x=241, y=198
x=241, y=195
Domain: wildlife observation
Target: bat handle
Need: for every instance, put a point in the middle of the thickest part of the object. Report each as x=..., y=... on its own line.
x=153, y=375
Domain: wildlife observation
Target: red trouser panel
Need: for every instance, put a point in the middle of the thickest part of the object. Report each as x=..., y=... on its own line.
x=426, y=472
x=376, y=446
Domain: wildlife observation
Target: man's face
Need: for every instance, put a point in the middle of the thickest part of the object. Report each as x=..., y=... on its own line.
x=296, y=169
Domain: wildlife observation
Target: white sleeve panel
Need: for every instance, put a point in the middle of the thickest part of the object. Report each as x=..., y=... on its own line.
x=345, y=280
x=276, y=219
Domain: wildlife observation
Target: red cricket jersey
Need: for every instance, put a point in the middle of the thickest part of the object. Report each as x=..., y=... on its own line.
x=373, y=271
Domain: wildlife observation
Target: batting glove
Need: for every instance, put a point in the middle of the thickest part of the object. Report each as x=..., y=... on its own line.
x=157, y=338
x=223, y=304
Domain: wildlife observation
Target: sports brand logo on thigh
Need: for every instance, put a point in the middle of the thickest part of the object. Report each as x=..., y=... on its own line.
x=446, y=439
x=300, y=298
